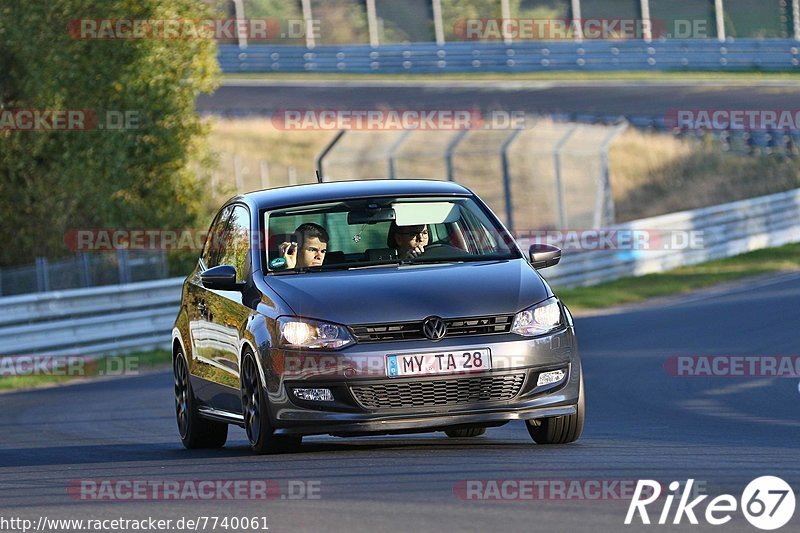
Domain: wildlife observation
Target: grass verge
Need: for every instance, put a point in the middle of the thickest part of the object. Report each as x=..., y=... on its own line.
x=72, y=369
x=683, y=279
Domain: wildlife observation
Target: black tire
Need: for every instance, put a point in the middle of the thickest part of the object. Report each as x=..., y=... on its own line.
x=257, y=425
x=560, y=429
x=194, y=430
x=465, y=432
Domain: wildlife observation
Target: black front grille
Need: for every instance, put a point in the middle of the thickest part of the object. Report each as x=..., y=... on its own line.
x=438, y=392
x=456, y=327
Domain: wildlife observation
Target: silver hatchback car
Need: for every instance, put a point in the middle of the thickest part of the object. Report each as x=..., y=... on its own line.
x=371, y=307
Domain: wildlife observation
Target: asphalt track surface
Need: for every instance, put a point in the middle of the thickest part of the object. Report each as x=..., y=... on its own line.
x=628, y=98
x=642, y=424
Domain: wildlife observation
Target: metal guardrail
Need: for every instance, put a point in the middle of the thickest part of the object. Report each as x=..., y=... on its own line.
x=139, y=316
x=530, y=56
x=726, y=230
x=109, y=319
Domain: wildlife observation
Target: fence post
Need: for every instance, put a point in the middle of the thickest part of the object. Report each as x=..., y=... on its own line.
x=264, y=174
x=164, y=265
x=393, y=151
x=42, y=275
x=292, y=176
x=719, y=11
x=604, y=208
x=438, y=25
x=562, y=208
x=448, y=155
x=507, y=177
x=309, y=22
x=238, y=6
x=123, y=267
x=505, y=9
x=577, y=22
x=324, y=153
x=372, y=23
x=86, y=275
x=237, y=173
x=647, y=24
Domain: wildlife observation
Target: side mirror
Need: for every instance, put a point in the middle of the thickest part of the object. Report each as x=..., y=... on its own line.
x=222, y=278
x=544, y=255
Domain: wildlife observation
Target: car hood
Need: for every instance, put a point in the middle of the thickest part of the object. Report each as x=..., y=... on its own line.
x=412, y=292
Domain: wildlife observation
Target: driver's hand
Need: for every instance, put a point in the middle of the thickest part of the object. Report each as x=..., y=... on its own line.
x=415, y=251
x=291, y=258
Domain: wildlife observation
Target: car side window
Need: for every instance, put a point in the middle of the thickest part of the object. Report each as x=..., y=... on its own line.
x=211, y=248
x=236, y=243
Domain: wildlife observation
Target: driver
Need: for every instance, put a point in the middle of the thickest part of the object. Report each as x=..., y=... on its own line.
x=409, y=241
x=309, y=249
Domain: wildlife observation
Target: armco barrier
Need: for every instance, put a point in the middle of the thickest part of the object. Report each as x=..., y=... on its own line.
x=139, y=316
x=108, y=319
x=725, y=230
x=522, y=56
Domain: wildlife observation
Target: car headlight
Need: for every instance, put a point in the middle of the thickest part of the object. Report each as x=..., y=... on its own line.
x=539, y=319
x=312, y=334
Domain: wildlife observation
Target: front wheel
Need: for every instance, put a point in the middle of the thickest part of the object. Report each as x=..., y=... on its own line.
x=195, y=431
x=260, y=432
x=560, y=429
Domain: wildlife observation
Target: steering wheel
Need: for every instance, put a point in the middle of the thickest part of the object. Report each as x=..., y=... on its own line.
x=441, y=249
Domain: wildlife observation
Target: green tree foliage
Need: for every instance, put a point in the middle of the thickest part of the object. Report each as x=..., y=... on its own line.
x=53, y=181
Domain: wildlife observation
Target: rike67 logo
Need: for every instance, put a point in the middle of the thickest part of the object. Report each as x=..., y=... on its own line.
x=767, y=503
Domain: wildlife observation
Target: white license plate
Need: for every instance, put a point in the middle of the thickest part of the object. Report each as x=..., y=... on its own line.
x=426, y=364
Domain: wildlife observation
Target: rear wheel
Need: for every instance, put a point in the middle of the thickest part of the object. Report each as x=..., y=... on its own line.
x=195, y=431
x=559, y=429
x=465, y=432
x=260, y=432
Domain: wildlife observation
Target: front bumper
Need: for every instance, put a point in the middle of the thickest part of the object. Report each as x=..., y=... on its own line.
x=363, y=365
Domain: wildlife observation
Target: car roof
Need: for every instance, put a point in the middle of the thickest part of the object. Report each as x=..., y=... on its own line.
x=344, y=190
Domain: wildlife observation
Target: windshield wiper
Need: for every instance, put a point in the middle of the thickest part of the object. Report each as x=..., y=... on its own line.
x=390, y=262
x=306, y=270
x=327, y=268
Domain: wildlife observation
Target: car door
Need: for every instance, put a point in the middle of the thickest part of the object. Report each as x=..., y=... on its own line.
x=200, y=329
x=225, y=319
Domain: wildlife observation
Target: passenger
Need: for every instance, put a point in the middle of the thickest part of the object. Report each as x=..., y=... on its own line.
x=409, y=241
x=312, y=242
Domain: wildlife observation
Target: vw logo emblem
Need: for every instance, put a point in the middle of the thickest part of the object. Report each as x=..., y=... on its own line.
x=434, y=328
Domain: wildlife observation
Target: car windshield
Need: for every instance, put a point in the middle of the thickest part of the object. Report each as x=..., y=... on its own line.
x=383, y=231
